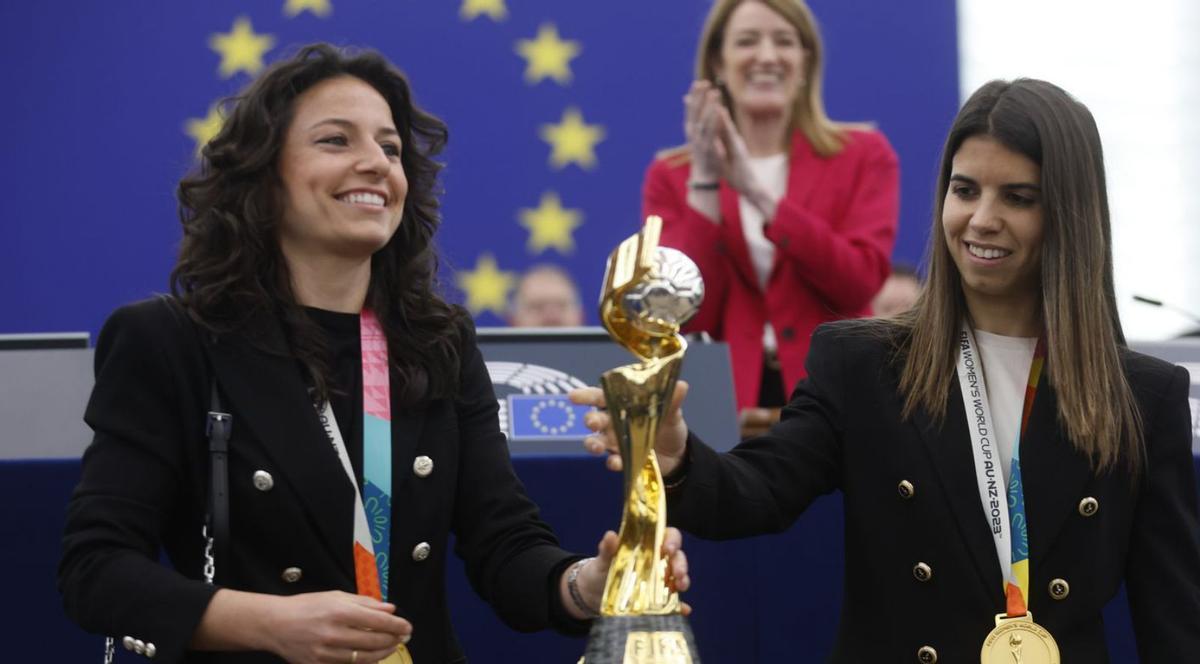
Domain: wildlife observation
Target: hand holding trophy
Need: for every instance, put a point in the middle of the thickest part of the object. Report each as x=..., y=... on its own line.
x=649, y=292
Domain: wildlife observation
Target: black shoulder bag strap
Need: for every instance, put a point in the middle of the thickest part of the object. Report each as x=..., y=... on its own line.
x=218, y=428
x=216, y=532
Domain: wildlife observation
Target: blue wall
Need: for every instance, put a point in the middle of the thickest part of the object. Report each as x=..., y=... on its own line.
x=97, y=95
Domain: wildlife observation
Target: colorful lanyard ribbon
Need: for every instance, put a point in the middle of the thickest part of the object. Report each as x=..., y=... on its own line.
x=1006, y=518
x=373, y=504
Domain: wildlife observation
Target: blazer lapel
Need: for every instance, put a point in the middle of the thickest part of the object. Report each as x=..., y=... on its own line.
x=734, y=237
x=1053, y=472
x=949, y=451
x=268, y=396
x=802, y=180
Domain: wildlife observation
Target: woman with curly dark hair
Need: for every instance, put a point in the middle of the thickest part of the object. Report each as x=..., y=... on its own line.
x=351, y=424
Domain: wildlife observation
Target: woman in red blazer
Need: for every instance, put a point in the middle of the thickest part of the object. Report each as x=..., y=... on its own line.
x=791, y=217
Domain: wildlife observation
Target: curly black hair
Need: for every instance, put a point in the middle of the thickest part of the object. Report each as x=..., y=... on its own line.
x=231, y=268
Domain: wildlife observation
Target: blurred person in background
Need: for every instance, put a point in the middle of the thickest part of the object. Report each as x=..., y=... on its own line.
x=899, y=293
x=790, y=216
x=545, y=296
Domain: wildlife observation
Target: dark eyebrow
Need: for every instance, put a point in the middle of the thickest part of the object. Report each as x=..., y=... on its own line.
x=346, y=124
x=1008, y=187
x=777, y=31
x=1021, y=185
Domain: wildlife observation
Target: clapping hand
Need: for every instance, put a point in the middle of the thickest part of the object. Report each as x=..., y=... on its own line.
x=701, y=126
x=718, y=151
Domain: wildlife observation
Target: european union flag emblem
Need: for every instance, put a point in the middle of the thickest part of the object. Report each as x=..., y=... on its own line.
x=545, y=417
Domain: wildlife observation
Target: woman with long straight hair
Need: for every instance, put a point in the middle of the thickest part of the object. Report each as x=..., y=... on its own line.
x=1006, y=461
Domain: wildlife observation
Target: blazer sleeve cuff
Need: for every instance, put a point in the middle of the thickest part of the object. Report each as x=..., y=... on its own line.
x=687, y=503
x=561, y=620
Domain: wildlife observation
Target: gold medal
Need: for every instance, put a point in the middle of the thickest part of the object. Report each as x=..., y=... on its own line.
x=1018, y=641
x=401, y=656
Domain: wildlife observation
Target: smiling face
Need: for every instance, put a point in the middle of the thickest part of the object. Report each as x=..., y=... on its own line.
x=992, y=221
x=761, y=60
x=342, y=184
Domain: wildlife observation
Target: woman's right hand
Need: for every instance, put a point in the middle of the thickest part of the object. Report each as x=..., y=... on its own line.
x=670, y=445
x=330, y=627
x=324, y=627
x=702, y=126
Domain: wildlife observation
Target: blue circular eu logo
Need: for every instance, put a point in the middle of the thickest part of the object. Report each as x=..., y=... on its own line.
x=552, y=416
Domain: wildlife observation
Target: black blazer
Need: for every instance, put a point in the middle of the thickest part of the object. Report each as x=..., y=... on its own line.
x=842, y=430
x=144, y=487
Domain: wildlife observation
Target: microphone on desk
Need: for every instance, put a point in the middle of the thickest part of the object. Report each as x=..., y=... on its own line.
x=1168, y=306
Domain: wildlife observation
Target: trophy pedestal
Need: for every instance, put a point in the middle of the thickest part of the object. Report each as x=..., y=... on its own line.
x=641, y=640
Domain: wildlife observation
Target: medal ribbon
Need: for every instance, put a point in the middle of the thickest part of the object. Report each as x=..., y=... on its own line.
x=1006, y=518
x=373, y=504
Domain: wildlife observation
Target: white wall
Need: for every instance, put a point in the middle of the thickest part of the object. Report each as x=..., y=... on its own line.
x=1137, y=67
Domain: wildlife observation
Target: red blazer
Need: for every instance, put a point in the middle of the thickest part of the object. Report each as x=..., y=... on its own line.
x=833, y=233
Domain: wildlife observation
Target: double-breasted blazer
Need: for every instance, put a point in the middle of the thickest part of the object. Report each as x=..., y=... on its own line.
x=842, y=430
x=145, y=478
x=833, y=233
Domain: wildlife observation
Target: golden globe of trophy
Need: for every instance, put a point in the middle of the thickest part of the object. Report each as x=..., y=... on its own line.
x=649, y=291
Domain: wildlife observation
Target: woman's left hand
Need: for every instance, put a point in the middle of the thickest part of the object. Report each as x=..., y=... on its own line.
x=736, y=166
x=594, y=573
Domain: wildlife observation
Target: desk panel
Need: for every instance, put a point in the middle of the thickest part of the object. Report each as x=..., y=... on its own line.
x=754, y=599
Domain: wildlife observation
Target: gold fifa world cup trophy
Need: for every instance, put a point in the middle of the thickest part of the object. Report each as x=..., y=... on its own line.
x=649, y=291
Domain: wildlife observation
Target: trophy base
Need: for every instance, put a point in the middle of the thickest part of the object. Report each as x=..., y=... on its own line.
x=641, y=640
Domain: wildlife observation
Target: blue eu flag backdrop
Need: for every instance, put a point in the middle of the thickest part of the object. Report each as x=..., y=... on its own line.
x=555, y=109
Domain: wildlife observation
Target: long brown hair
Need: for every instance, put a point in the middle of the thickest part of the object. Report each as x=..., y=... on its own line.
x=230, y=267
x=1079, y=313
x=808, y=111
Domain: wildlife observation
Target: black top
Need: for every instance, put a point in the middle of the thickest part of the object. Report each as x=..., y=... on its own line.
x=344, y=344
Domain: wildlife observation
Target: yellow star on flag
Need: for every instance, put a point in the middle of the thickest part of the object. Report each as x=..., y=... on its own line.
x=240, y=48
x=320, y=8
x=572, y=140
x=486, y=286
x=202, y=130
x=547, y=55
x=550, y=225
x=472, y=9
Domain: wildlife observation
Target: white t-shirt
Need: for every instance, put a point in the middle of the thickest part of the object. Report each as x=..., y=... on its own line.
x=1006, y=362
x=771, y=172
